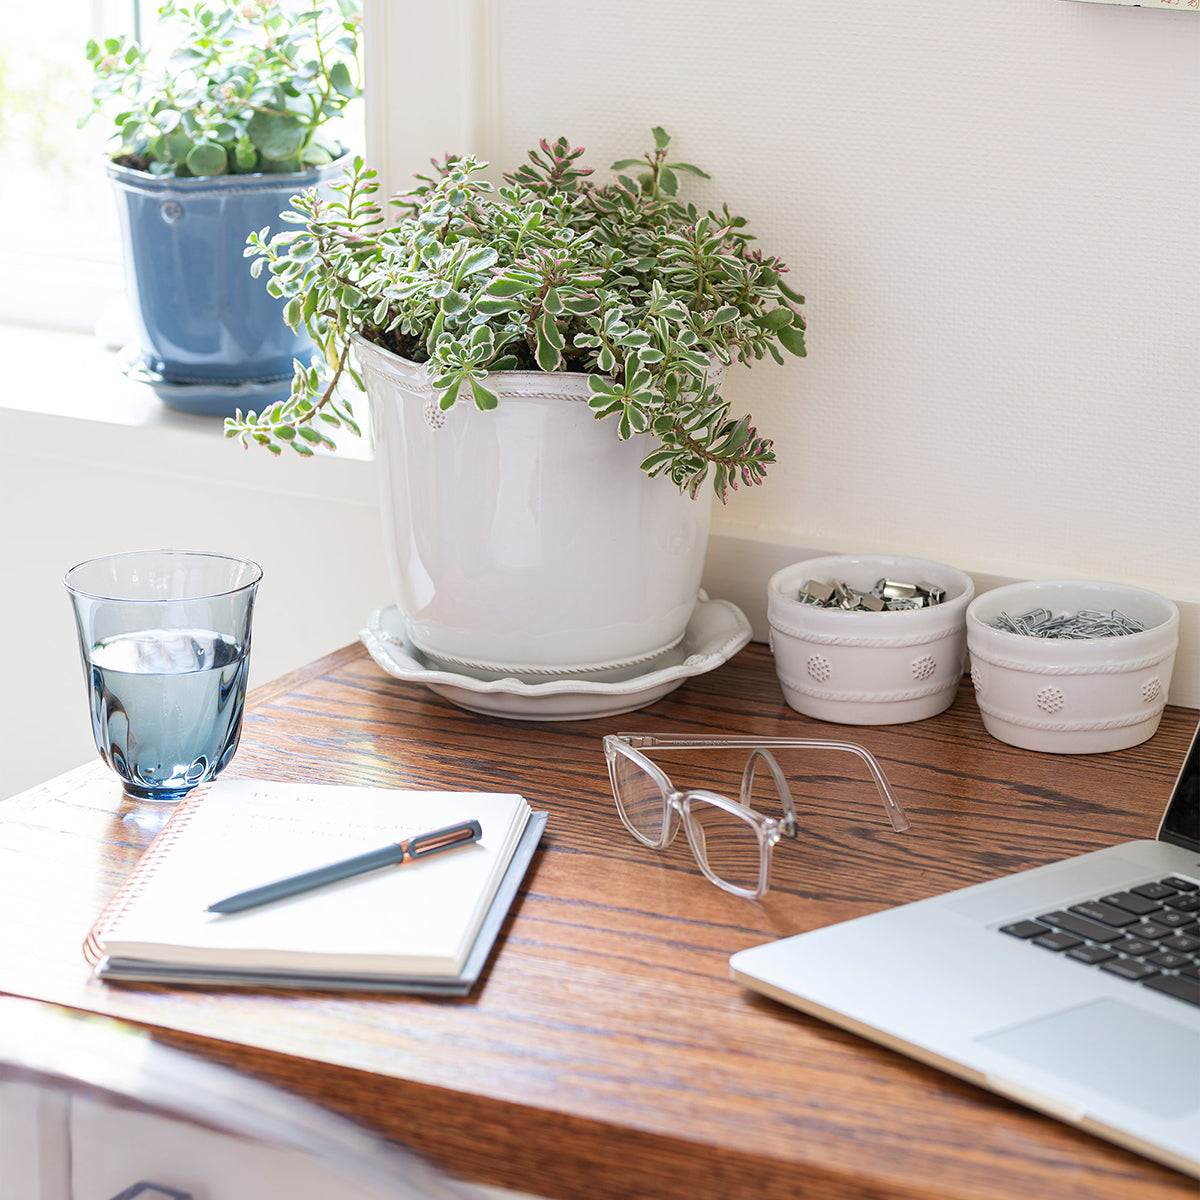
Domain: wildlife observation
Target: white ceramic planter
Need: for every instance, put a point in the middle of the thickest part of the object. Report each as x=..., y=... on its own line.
x=1067, y=696
x=868, y=668
x=525, y=541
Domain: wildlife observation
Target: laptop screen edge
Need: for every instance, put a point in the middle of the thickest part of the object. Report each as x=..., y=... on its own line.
x=1180, y=824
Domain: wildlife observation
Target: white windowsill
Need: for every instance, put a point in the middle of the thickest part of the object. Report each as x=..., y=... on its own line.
x=56, y=374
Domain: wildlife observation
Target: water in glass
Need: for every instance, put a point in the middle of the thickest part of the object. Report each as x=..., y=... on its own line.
x=167, y=706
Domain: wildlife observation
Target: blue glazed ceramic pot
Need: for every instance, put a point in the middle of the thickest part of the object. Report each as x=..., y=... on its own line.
x=210, y=337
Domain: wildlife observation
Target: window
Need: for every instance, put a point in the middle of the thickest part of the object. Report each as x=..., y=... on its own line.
x=58, y=239
x=59, y=248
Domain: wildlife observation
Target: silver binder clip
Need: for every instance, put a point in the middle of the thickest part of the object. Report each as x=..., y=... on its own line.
x=816, y=592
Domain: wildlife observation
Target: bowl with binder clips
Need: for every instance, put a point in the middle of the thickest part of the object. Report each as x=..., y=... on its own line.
x=868, y=639
x=1071, y=666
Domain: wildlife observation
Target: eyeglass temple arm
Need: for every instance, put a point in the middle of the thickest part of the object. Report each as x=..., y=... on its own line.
x=702, y=742
x=788, y=825
x=890, y=804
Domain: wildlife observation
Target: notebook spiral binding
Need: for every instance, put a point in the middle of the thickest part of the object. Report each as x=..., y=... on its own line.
x=93, y=944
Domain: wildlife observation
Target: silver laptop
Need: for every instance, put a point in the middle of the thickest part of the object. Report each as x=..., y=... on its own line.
x=1073, y=988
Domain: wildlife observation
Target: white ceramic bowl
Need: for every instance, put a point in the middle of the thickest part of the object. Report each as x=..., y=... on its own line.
x=868, y=668
x=1066, y=695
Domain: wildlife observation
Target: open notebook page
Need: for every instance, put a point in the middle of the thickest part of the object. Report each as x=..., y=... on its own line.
x=419, y=918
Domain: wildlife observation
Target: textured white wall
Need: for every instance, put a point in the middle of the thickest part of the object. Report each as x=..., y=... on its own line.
x=992, y=206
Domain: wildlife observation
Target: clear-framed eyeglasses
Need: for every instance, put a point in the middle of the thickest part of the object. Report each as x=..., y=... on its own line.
x=731, y=841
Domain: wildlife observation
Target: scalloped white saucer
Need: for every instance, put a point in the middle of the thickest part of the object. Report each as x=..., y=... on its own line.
x=715, y=632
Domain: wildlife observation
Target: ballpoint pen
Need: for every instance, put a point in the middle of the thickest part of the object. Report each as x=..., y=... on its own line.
x=394, y=853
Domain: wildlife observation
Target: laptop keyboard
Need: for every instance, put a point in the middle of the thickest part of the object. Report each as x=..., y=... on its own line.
x=1148, y=935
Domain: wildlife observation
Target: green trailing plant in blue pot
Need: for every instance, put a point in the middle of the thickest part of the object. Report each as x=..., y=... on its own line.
x=217, y=124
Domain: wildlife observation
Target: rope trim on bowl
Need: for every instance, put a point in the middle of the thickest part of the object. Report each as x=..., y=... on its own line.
x=1093, y=668
x=867, y=697
x=881, y=643
x=1079, y=726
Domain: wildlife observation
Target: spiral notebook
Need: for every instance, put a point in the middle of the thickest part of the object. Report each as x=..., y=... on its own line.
x=425, y=926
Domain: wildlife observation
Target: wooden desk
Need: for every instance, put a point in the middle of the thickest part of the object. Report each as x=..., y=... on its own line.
x=606, y=1053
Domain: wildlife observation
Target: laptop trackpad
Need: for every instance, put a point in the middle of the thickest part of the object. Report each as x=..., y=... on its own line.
x=1127, y=1053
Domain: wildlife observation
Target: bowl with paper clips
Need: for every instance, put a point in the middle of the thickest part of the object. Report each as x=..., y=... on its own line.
x=869, y=639
x=1071, y=666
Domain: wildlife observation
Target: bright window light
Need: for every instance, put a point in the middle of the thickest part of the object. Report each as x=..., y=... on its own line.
x=59, y=256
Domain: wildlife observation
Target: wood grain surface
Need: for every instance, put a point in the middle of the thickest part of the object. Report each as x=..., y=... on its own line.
x=605, y=1052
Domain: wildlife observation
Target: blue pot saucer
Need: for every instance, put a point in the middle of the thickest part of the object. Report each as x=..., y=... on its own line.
x=208, y=398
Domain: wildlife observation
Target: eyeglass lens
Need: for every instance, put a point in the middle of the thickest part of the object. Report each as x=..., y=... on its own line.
x=725, y=843
x=641, y=799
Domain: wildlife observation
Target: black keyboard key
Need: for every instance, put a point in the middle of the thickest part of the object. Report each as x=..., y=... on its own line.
x=1155, y=891
x=1149, y=929
x=1080, y=926
x=1132, y=946
x=1107, y=914
x=1128, y=968
x=1024, y=929
x=1184, y=902
x=1180, y=885
x=1173, y=919
x=1181, y=943
x=1177, y=986
x=1057, y=941
x=1168, y=959
x=1191, y=973
x=1138, y=905
x=1091, y=954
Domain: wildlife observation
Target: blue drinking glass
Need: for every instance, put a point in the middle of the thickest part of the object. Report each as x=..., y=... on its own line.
x=165, y=641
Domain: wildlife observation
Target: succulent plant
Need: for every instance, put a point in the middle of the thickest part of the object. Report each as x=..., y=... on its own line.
x=240, y=88
x=549, y=271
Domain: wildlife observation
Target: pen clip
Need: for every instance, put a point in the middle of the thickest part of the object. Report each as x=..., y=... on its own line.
x=443, y=839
